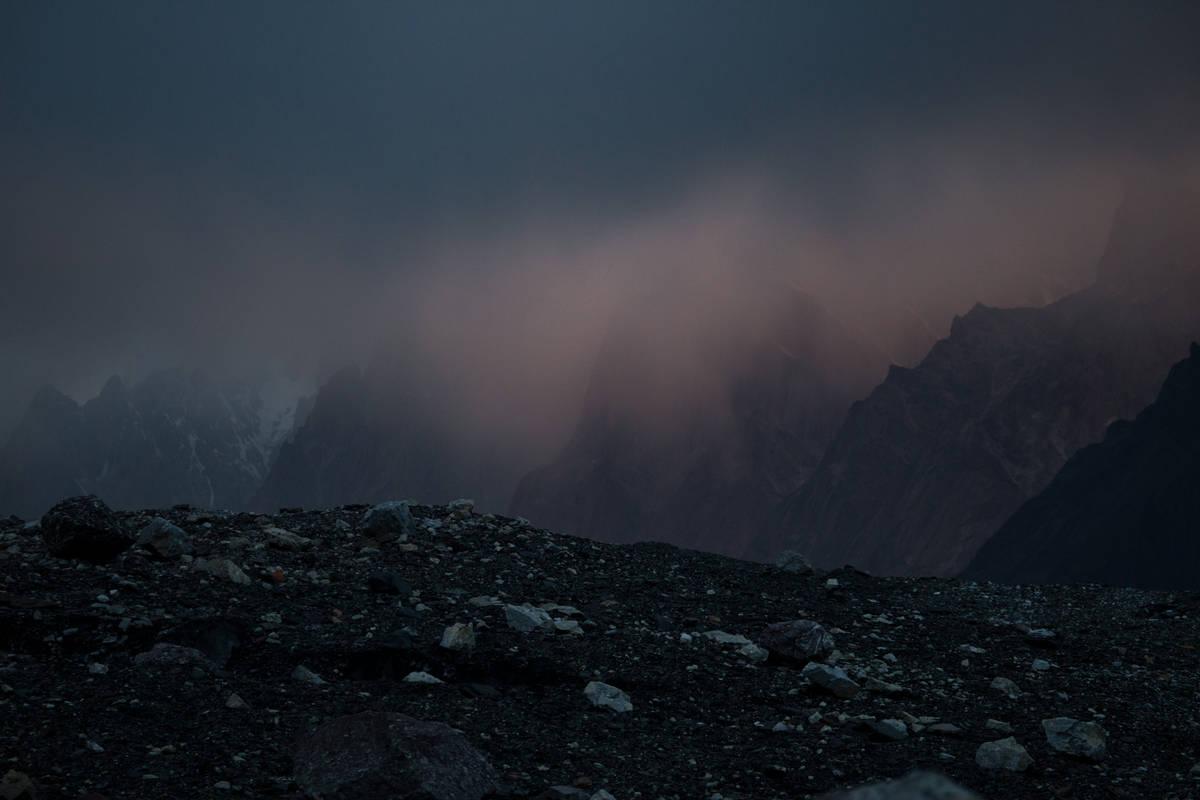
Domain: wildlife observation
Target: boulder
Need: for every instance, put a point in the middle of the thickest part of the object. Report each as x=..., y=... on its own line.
x=378, y=755
x=1005, y=754
x=86, y=529
x=798, y=639
x=1074, y=738
x=164, y=540
x=603, y=695
x=527, y=618
x=793, y=562
x=389, y=521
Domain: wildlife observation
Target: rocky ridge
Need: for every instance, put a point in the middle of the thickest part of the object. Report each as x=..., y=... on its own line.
x=1122, y=511
x=309, y=653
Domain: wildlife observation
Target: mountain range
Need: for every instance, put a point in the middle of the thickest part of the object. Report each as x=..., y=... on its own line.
x=738, y=417
x=935, y=459
x=173, y=437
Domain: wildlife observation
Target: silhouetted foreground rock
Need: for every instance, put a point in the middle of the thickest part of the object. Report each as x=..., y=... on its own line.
x=297, y=655
x=84, y=528
x=387, y=756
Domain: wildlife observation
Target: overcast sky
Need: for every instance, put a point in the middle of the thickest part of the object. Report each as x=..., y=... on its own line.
x=225, y=183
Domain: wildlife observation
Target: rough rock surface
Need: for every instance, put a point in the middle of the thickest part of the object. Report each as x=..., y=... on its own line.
x=84, y=528
x=375, y=755
x=797, y=639
x=1124, y=511
x=119, y=678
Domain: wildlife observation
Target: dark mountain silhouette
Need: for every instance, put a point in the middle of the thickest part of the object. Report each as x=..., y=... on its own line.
x=705, y=408
x=174, y=437
x=936, y=458
x=1125, y=511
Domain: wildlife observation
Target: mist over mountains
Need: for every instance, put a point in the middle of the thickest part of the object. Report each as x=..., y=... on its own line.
x=737, y=416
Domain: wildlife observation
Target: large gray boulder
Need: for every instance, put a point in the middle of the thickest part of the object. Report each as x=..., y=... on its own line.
x=86, y=529
x=380, y=755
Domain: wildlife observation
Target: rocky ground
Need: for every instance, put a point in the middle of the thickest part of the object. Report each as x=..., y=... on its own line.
x=204, y=661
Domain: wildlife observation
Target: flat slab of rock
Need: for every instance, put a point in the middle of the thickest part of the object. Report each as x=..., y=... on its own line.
x=917, y=785
x=379, y=755
x=1074, y=738
x=798, y=639
x=527, y=618
x=832, y=679
x=86, y=529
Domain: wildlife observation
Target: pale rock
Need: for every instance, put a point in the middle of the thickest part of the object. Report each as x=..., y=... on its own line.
x=605, y=696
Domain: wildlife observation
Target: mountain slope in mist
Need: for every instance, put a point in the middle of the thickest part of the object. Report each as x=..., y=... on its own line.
x=1125, y=511
x=173, y=437
x=706, y=406
x=930, y=465
x=384, y=434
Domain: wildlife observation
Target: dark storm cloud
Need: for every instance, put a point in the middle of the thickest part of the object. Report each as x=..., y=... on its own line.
x=228, y=183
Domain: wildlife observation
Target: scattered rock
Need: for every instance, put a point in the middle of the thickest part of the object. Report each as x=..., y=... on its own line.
x=18, y=786
x=1006, y=687
x=832, y=679
x=225, y=569
x=84, y=528
x=388, y=756
x=793, y=562
x=917, y=785
x=421, y=677
x=459, y=636
x=798, y=640
x=235, y=701
x=526, y=618
x=303, y=673
x=173, y=655
x=754, y=653
x=1004, y=754
x=388, y=582
x=286, y=540
x=891, y=729
x=1082, y=739
x=727, y=638
x=164, y=540
x=389, y=521
x=998, y=726
x=606, y=696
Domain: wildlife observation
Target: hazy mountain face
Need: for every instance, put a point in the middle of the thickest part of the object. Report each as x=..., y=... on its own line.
x=1124, y=511
x=699, y=418
x=929, y=466
x=173, y=437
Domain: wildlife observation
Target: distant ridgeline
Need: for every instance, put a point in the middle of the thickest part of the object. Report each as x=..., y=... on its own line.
x=1125, y=511
x=724, y=419
x=174, y=437
x=935, y=460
